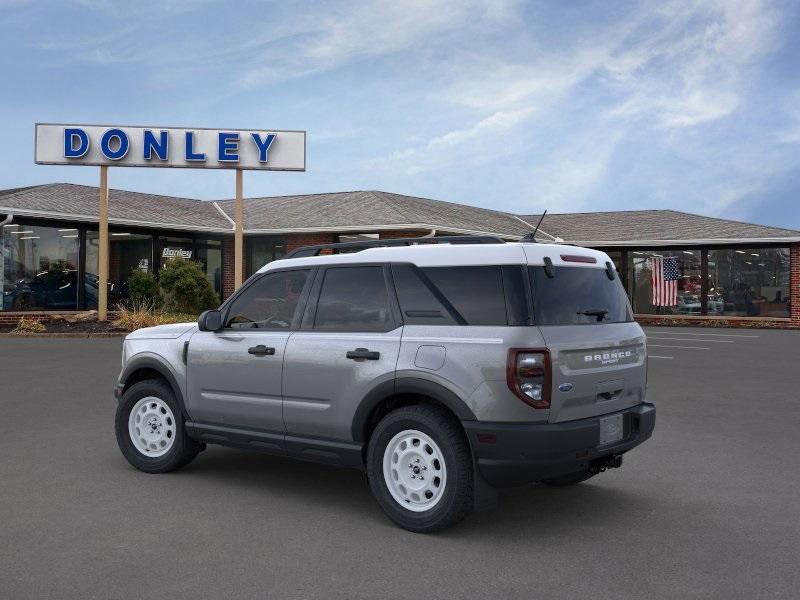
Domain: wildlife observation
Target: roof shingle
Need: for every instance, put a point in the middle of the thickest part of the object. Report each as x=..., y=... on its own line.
x=651, y=226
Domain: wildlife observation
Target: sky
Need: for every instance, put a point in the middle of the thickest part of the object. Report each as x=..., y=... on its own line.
x=562, y=105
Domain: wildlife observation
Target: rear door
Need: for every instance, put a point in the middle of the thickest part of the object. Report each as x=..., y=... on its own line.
x=597, y=351
x=348, y=344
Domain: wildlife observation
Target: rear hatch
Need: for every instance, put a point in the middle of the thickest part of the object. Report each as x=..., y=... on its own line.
x=597, y=351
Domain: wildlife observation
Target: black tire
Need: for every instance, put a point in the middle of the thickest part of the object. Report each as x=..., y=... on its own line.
x=569, y=479
x=457, y=498
x=183, y=449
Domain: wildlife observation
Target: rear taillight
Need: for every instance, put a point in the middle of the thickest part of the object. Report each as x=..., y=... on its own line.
x=528, y=376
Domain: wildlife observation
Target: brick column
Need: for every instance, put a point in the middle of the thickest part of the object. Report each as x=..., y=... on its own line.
x=794, y=283
x=228, y=267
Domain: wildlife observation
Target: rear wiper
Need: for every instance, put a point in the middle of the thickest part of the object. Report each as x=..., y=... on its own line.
x=599, y=313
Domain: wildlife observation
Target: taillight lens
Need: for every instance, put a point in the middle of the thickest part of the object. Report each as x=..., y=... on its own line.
x=528, y=375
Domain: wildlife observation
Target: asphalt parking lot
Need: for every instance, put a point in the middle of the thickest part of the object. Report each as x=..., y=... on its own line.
x=709, y=508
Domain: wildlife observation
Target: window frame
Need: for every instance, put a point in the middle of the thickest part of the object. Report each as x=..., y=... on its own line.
x=310, y=313
x=225, y=307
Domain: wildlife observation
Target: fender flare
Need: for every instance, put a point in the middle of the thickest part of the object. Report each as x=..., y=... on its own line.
x=154, y=364
x=407, y=385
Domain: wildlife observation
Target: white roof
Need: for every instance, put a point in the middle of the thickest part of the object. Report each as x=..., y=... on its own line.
x=444, y=255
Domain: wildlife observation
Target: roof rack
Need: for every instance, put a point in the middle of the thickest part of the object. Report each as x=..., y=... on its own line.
x=307, y=251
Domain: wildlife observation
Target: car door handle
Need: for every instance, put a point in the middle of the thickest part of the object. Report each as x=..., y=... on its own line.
x=261, y=350
x=363, y=353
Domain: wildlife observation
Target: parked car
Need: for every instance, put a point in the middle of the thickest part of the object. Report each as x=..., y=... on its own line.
x=49, y=289
x=443, y=370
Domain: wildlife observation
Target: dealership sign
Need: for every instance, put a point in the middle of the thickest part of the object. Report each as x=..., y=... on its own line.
x=193, y=148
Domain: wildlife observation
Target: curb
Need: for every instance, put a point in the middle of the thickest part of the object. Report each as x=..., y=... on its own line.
x=63, y=335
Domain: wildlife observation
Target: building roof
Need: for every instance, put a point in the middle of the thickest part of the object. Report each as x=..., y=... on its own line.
x=658, y=227
x=372, y=210
x=72, y=202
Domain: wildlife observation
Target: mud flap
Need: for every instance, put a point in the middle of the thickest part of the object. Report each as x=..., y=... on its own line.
x=485, y=497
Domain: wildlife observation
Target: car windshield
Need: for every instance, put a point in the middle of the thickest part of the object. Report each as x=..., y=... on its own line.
x=577, y=296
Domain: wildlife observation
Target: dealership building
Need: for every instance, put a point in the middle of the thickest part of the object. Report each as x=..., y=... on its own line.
x=742, y=273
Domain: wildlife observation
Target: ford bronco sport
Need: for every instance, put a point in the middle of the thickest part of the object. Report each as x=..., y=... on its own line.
x=445, y=368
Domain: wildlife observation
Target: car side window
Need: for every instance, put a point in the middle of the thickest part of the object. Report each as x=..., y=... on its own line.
x=354, y=299
x=269, y=303
x=418, y=302
x=475, y=292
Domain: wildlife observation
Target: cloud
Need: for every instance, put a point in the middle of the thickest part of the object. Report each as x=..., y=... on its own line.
x=463, y=146
x=328, y=39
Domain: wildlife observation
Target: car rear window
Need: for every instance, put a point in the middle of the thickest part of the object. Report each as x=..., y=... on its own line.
x=577, y=296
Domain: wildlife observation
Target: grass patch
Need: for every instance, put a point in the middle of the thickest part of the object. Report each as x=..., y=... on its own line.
x=143, y=315
x=29, y=325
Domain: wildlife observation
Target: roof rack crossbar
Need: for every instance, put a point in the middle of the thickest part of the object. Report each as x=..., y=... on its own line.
x=337, y=248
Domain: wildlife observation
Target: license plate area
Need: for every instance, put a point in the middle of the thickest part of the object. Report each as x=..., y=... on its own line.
x=611, y=429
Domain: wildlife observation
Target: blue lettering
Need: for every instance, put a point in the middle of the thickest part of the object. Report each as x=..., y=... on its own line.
x=228, y=142
x=122, y=144
x=159, y=146
x=70, y=137
x=190, y=153
x=263, y=145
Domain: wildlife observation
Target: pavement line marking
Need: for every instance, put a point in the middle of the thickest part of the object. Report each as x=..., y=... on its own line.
x=654, y=356
x=706, y=334
x=672, y=339
x=689, y=347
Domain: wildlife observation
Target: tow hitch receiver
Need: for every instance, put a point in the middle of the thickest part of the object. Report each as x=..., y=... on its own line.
x=613, y=461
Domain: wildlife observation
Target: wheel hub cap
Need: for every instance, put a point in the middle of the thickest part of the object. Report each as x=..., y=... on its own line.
x=414, y=470
x=151, y=426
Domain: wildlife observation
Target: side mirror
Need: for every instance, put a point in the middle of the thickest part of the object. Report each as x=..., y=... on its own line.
x=210, y=320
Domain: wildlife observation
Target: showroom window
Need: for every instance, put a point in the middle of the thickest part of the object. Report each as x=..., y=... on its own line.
x=748, y=282
x=39, y=268
x=263, y=250
x=666, y=281
x=128, y=252
x=205, y=252
x=209, y=255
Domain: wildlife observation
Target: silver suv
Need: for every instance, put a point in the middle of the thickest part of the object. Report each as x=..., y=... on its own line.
x=445, y=368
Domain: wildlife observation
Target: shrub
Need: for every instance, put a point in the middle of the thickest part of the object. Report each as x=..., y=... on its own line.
x=143, y=289
x=185, y=288
x=28, y=325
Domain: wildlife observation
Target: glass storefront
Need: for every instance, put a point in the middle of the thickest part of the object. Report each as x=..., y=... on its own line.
x=262, y=250
x=749, y=282
x=733, y=282
x=39, y=268
x=47, y=268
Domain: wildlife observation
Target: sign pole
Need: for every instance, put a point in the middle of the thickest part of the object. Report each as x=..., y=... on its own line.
x=238, y=255
x=102, y=258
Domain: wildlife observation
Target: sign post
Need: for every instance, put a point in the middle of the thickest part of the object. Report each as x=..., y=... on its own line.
x=103, y=253
x=238, y=241
x=175, y=147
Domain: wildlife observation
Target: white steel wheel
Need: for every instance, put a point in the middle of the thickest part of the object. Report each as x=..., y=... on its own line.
x=151, y=426
x=414, y=470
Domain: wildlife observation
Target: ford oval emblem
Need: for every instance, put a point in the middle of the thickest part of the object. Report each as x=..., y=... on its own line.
x=565, y=387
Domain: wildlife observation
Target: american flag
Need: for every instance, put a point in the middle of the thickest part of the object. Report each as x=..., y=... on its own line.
x=664, y=279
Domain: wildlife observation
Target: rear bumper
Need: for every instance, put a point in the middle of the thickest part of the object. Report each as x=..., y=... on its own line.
x=509, y=454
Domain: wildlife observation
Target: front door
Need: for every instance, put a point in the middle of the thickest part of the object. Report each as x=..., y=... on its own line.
x=349, y=344
x=234, y=375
